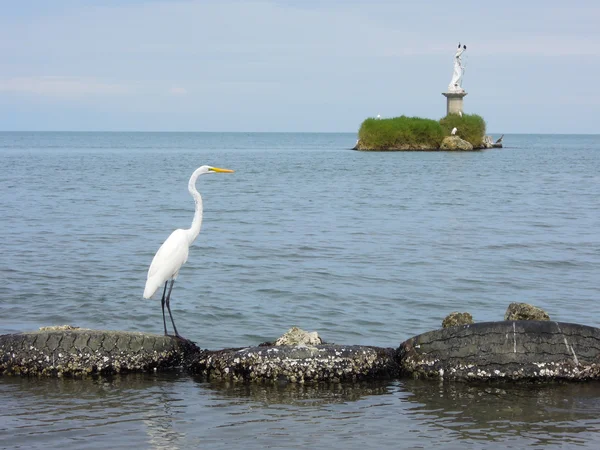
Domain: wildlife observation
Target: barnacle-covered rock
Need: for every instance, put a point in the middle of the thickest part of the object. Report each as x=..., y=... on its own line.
x=297, y=336
x=68, y=352
x=457, y=318
x=298, y=364
x=525, y=311
x=509, y=350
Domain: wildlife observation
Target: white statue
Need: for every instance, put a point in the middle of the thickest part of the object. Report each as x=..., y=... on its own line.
x=459, y=70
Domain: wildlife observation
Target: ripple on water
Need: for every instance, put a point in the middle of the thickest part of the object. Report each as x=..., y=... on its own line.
x=368, y=249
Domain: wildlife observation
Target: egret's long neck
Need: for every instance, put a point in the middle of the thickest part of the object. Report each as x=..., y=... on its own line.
x=194, y=230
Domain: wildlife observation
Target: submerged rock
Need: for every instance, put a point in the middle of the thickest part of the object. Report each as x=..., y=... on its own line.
x=457, y=318
x=525, y=311
x=455, y=143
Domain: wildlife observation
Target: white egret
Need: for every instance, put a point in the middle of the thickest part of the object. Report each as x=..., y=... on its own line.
x=454, y=130
x=378, y=116
x=460, y=113
x=173, y=253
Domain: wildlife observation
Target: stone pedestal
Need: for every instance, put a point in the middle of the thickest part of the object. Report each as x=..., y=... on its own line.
x=454, y=104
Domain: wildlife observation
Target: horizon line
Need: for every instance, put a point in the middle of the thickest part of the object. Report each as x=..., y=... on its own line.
x=262, y=132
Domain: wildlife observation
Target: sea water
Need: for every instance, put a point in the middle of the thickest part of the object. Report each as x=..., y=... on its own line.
x=365, y=248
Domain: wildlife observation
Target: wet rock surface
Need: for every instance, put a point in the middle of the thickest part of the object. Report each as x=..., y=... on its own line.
x=72, y=352
x=509, y=350
x=298, y=364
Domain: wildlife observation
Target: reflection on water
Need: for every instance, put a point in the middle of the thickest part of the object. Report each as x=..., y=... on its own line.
x=299, y=394
x=91, y=412
x=543, y=413
x=369, y=249
x=173, y=411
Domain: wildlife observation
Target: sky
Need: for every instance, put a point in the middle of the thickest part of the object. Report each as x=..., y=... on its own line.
x=295, y=65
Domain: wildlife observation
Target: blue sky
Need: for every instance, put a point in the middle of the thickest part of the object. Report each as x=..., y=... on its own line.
x=229, y=65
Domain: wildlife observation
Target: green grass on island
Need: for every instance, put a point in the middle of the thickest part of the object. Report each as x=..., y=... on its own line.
x=416, y=133
x=471, y=127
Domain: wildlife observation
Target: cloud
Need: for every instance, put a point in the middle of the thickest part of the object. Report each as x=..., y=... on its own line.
x=542, y=45
x=62, y=86
x=326, y=64
x=176, y=90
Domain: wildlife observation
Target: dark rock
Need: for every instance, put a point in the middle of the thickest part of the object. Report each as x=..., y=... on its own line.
x=457, y=318
x=397, y=148
x=525, y=311
x=74, y=352
x=510, y=350
x=67, y=352
x=297, y=364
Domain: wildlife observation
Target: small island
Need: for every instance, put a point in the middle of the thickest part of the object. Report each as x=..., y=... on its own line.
x=455, y=131
x=416, y=133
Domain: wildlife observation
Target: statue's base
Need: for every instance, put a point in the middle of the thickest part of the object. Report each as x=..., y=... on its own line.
x=454, y=103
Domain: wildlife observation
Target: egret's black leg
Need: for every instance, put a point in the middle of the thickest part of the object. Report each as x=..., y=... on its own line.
x=169, y=308
x=162, y=302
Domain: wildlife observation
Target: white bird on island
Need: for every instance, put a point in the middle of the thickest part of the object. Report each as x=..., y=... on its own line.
x=378, y=116
x=173, y=253
x=454, y=130
x=460, y=113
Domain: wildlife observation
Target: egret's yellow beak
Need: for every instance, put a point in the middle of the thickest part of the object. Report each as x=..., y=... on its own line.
x=216, y=169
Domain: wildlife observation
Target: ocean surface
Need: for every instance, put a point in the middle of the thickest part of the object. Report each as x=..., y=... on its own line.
x=364, y=248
